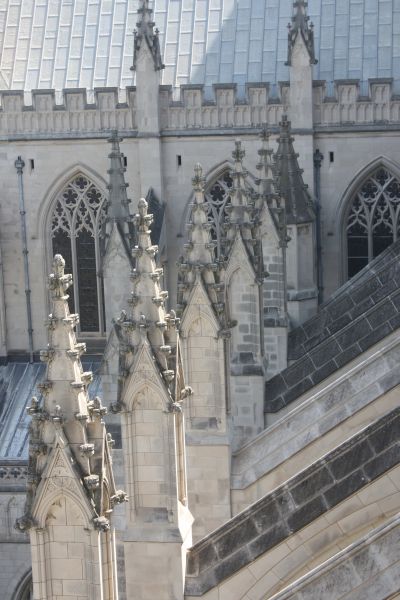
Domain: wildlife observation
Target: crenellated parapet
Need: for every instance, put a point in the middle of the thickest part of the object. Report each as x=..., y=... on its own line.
x=71, y=115
x=341, y=103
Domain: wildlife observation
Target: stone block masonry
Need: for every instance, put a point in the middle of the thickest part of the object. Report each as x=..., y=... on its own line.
x=289, y=508
x=353, y=321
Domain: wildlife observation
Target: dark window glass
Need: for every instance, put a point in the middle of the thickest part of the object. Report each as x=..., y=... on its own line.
x=373, y=220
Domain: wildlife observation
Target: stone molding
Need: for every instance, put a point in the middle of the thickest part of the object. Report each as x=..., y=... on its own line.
x=292, y=506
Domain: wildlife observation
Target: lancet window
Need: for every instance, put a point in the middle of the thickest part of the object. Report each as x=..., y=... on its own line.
x=218, y=197
x=373, y=222
x=76, y=230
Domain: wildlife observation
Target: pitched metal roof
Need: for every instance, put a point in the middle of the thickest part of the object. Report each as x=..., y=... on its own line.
x=18, y=383
x=89, y=43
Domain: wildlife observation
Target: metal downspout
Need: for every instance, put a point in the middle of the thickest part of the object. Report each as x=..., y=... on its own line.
x=19, y=165
x=318, y=158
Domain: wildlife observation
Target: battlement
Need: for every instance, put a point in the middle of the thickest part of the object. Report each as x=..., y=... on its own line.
x=341, y=103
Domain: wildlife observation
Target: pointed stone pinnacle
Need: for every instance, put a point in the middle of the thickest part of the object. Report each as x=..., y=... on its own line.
x=238, y=154
x=298, y=202
x=300, y=25
x=118, y=201
x=58, y=281
x=198, y=180
x=145, y=31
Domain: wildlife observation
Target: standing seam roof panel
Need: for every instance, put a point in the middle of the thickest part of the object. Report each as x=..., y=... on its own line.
x=89, y=43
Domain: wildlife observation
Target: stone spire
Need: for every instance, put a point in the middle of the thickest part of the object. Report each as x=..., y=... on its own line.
x=300, y=26
x=70, y=480
x=241, y=208
x=298, y=202
x=148, y=320
x=199, y=259
x=67, y=415
x=266, y=167
x=118, y=202
x=145, y=32
x=118, y=239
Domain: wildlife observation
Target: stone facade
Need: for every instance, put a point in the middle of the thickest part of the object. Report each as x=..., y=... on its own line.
x=254, y=405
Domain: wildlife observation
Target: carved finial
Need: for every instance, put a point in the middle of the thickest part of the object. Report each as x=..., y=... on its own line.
x=198, y=180
x=238, y=154
x=300, y=25
x=58, y=281
x=142, y=206
x=145, y=31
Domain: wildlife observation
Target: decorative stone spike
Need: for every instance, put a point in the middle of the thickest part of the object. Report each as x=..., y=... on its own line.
x=301, y=26
x=145, y=32
x=199, y=258
x=298, y=202
x=147, y=302
x=65, y=411
x=266, y=167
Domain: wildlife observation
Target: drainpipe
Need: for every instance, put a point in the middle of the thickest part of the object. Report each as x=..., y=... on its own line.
x=19, y=165
x=318, y=158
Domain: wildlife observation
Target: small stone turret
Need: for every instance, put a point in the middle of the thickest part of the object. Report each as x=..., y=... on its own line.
x=71, y=481
x=153, y=391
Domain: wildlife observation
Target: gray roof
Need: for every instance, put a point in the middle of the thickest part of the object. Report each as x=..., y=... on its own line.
x=89, y=43
x=18, y=383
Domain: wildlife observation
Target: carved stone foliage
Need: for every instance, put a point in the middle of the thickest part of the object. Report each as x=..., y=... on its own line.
x=373, y=221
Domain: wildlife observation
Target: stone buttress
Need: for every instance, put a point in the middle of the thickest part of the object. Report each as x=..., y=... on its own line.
x=273, y=236
x=243, y=276
x=71, y=491
x=158, y=521
x=205, y=338
x=301, y=264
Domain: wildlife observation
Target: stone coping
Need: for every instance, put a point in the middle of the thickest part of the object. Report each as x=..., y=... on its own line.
x=327, y=407
x=356, y=564
x=294, y=505
x=362, y=317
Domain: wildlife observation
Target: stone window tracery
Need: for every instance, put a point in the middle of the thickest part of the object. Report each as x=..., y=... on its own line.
x=77, y=222
x=373, y=222
x=218, y=197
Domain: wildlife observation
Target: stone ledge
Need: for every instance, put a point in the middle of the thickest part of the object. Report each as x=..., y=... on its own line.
x=292, y=506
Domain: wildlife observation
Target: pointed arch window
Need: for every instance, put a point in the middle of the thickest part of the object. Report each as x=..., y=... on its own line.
x=218, y=198
x=373, y=221
x=77, y=222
